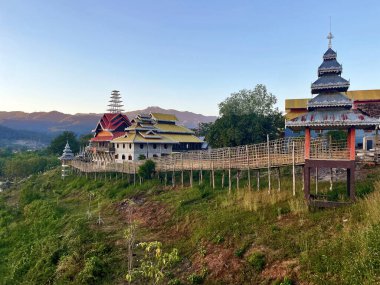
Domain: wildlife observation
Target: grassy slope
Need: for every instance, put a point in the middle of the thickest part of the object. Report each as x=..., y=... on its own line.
x=246, y=237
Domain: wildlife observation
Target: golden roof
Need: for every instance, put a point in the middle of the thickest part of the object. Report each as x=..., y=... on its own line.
x=183, y=138
x=138, y=138
x=164, y=117
x=169, y=128
x=355, y=95
x=364, y=95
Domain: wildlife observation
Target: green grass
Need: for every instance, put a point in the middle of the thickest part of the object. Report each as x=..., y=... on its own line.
x=46, y=236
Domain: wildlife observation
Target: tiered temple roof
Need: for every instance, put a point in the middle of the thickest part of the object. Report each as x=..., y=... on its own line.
x=331, y=108
x=157, y=128
x=67, y=153
x=111, y=125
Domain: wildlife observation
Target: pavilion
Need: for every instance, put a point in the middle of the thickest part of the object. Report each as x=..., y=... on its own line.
x=331, y=109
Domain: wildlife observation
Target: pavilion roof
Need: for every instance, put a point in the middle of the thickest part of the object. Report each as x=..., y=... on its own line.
x=333, y=119
x=329, y=100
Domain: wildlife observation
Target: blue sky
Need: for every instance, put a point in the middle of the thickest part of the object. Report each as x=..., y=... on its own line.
x=187, y=55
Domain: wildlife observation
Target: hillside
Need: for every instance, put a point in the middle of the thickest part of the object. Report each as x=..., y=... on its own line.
x=53, y=122
x=23, y=138
x=49, y=232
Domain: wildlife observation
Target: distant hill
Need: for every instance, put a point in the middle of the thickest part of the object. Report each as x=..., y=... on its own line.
x=23, y=138
x=55, y=122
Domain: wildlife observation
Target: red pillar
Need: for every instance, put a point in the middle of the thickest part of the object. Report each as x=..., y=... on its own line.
x=307, y=143
x=351, y=143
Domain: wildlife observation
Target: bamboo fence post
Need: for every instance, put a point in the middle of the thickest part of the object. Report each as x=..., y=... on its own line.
x=294, y=169
x=268, y=150
x=200, y=168
x=182, y=182
x=229, y=171
x=223, y=172
x=191, y=173
x=258, y=180
x=237, y=179
x=129, y=173
x=279, y=178
x=213, y=174
x=316, y=180
x=248, y=168
x=166, y=175
x=303, y=178
x=331, y=179
x=173, y=174
x=134, y=174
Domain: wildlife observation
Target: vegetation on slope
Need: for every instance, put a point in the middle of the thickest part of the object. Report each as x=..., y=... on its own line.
x=49, y=232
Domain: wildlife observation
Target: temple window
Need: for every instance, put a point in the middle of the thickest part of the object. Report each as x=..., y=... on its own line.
x=130, y=157
x=141, y=146
x=154, y=146
x=123, y=157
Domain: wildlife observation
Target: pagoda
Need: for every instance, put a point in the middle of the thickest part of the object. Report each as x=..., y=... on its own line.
x=331, y=109
x=66, y=156
x=110, y=126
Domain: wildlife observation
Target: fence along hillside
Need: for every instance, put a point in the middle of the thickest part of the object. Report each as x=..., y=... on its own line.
x=274, y=153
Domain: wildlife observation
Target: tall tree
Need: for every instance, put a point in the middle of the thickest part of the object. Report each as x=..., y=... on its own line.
x=246, y=117
x=257, y=101
x=57, y=144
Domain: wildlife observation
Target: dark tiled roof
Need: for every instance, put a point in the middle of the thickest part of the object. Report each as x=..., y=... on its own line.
x=329, y=66
x=333, y=118
x=329, y=100
x=329, y=54
x=328, y=82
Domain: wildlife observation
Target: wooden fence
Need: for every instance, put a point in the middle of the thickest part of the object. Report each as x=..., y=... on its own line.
x=272, y=154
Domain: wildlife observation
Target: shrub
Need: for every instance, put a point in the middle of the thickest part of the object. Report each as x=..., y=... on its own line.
x=195, y=278
x=147, y=170
x=257, y=261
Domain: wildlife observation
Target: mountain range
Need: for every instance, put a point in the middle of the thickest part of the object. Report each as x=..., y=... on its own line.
x=56, y=122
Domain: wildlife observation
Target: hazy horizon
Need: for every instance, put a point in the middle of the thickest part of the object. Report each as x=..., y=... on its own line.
x=188, y=55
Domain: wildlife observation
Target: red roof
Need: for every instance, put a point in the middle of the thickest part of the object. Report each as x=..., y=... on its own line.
x=111, y=126
x=113, y=122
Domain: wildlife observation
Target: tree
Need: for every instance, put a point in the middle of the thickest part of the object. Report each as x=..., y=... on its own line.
x=258, y=101
x=58, y=144
x=85, y=139
x=203, y=129
x=147, y=169
x=246, y=117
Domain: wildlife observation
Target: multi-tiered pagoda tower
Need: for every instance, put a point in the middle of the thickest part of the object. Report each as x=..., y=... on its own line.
x=331, y=109
x=65, y=158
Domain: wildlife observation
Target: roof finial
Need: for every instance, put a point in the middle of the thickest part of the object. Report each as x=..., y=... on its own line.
x=330, y=35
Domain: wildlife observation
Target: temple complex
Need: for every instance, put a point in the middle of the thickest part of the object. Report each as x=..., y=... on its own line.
x=154, y=135
x=110, y=126
x=331, y=109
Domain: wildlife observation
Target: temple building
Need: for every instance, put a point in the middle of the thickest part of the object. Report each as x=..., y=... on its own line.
x=110, y=126
x=367, y=101
x=331, y=109
x=154, y=135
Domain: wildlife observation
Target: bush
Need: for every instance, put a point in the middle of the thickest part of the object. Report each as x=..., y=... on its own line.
x=147, y=170
x=257, y=261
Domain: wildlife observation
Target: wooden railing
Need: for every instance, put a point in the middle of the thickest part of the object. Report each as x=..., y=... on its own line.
x=275, y=153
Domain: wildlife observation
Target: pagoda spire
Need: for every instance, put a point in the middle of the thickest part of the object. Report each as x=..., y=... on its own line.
x=115, y=103
x=330, y=36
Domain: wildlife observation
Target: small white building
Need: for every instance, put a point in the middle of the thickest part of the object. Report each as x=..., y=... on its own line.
x=139, y=143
